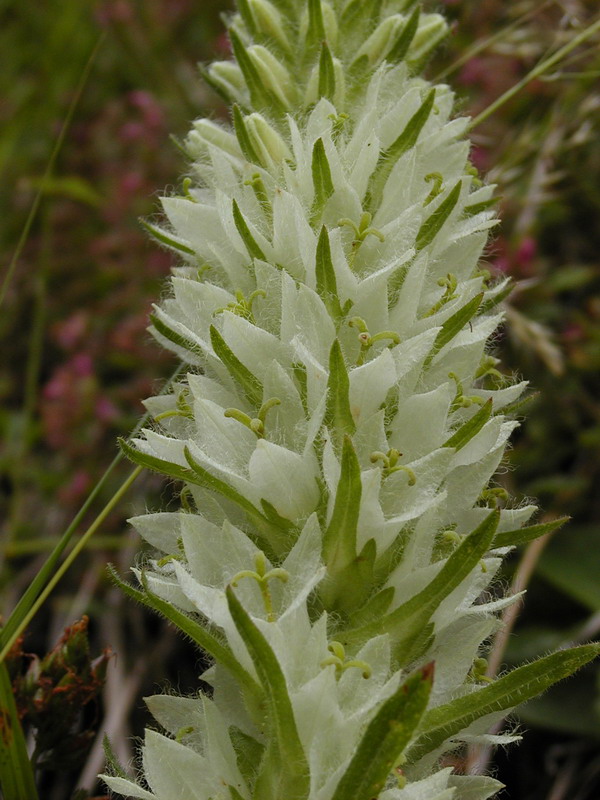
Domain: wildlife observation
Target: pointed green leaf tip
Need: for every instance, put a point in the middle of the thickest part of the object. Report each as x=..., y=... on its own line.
x=326, y=73
x=322, y=181
x=294, y=781
x=511, y=690
x=325, y=277
x=338, y=416
x=385, y=739
x=339, y=540
x=248, y=382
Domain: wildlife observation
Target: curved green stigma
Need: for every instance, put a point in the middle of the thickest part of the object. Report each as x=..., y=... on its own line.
x=255, y=424
x=438, y=182
x=182, y=409
x=462, y=400
x=390, y=464
x=242, y=306
x=262, y=577
x=491, y=496
x=450, y=282
x=367, y=341
x=341, y=663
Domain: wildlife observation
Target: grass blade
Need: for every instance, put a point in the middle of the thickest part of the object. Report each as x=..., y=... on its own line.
x=16, y=772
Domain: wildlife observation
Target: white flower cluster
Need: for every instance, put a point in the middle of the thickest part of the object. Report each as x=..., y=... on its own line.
x=337, y=429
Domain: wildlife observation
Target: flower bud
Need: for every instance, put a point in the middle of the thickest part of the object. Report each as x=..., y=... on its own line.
x=266, y=141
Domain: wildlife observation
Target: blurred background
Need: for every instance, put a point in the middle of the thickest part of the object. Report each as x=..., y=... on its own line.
x=77, y=360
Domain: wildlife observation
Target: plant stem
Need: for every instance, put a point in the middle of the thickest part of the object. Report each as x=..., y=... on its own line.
x=50, y=167
x=14, y=624
x=482, y=45
x=68, y=561
x=536, y=72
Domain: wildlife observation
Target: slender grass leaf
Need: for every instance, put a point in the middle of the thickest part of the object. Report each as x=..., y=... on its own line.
x=527, y=534
x=250, y=242
x=433, y=224
x=405, y=37
x=219, y=650
x=339, y=540
x=325, y=276
x=250, y=384
x=16, y=772
x=177, y=338
x=322, y=181
x=326, y=73
x=405, y=141
x=295, y=781
x=407, y=623
x=453, y=326
x=471, y=427
x=338, y=416
x=387, y=736
x=19, y=616
x=243, y=137
x=521, y=684
x=166, y=238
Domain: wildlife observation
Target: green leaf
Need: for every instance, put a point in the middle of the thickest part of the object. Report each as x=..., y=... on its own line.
x=527, y=534
x=294, y=782
x=407, y=624
x=260, y=95
x=322, y=181
x=166, y=238
x=405, y=37
x=219, y=650
x=248, y=751
x=387, y=736
x=494, y=301
x=326, y=74
x=477, y=208
x=505, y=693
x=405, y=141
x=572, y=564
x=359, y=574
x=252, y=246
x=338, y=416
x=177, y=338
x=250, y=384
x=339, y=540
x=243, y=137
x=433, y=224
x=16, y=772
x=198, y=476
x=247, y=16
x=74, y=187
x=316, y=26
x=396, y=282
x=454, y=325
x=374, y=609
x=110, y=757
x=471, y=427
x=325, y=276
x=360, y=14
